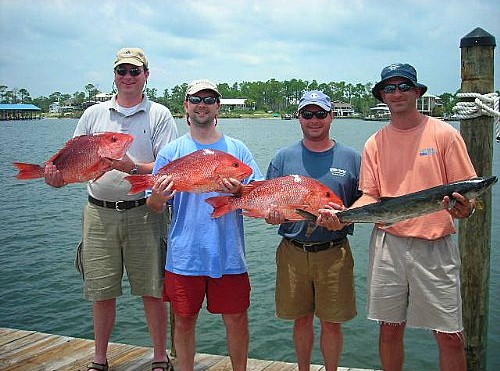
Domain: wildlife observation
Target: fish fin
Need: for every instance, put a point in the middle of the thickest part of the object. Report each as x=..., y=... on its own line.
x=247, y=188
x=29, y=171
x=140, y=183
x=306, y=214
x=253, y=213
x=97, y=177
x=311, y=227
x=221, y=205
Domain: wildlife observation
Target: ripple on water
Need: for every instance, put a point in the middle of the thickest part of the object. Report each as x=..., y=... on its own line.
x=40, y=289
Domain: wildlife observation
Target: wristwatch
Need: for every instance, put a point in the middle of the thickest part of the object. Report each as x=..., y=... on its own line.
x=134, y=170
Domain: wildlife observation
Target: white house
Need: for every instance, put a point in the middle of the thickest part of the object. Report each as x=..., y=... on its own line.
x=233, y=103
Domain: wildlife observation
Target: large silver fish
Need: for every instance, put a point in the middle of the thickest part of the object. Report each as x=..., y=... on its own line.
x=395, y=209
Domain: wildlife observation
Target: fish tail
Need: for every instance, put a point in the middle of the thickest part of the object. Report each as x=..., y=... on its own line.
x=140, y=183
x=221, y=205
x=29, y=171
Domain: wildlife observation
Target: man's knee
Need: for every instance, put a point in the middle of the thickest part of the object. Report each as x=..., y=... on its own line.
x=390, y=332
x=450, y=340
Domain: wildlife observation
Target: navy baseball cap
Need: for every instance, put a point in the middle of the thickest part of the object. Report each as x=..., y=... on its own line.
x=403, y=70
x=315, y=97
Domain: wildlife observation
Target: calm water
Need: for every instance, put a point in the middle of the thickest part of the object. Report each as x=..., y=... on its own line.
x=40, y=289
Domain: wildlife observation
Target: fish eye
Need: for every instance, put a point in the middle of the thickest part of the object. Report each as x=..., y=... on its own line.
x=235, y=164
x=327, y=194
x=114, y=138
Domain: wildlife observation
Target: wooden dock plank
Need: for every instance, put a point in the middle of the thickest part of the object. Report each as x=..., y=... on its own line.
x=36, y=351
x=8, y=335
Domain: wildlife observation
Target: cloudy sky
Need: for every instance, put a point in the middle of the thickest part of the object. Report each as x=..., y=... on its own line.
x=63, y=45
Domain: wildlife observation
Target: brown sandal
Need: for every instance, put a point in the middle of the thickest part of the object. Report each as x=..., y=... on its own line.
x=98, y=366
x=164, y=365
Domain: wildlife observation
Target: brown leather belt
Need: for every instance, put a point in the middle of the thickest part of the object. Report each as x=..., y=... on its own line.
x=316, y=246
x=117, y=205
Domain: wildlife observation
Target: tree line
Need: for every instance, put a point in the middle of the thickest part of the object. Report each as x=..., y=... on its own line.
x=271, y=95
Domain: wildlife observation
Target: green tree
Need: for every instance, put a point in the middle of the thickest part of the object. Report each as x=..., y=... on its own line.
x=448, y=100
x=24, y=95
x=91, y=91
x=151, y=94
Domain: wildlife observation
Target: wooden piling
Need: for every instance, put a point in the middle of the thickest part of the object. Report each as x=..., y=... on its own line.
x=477, y=71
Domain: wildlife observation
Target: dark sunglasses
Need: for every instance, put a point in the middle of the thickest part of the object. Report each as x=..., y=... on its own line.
x=197, y=100
x=134, y=71
x=309, y=114
x=403, y=87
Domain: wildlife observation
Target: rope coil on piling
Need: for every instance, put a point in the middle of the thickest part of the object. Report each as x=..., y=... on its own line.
x=483, y=104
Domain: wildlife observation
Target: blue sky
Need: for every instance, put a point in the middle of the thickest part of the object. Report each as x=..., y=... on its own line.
x=63, y=45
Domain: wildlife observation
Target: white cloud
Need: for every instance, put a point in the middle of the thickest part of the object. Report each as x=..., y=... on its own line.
x=63, y=45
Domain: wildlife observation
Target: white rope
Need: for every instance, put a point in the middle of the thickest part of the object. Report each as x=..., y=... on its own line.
x=484, y=104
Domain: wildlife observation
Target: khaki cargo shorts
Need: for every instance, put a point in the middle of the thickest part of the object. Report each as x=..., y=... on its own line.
x=315, y=282
x=133, y=240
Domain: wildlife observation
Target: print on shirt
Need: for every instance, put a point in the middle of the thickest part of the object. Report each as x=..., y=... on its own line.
x=338, y=172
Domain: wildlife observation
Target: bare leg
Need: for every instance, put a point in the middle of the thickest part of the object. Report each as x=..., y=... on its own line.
x=104, y=312
x=156, y=316
x=237, y=339
x=185, y=342
x=303, y=337
x=332, y=342
x=451, y=351
x=391, y=346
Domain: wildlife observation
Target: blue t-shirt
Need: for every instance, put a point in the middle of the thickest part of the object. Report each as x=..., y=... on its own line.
x=337, y=168
x=199, y=245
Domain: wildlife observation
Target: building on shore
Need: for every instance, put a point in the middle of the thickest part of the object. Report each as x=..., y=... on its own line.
x=342, y=109
x=230, y=104
x=19, y=111
x=428, y=103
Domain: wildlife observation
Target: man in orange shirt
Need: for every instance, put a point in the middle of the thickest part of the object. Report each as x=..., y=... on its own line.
x=414, y=265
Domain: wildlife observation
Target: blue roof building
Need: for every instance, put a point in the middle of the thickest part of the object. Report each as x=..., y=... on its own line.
x=19, y=111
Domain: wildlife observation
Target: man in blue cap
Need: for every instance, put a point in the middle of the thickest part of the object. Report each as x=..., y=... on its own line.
x=414, y=265
x=315, y=265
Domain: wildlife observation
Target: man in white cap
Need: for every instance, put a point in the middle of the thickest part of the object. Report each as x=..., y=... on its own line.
x=414, y=272
x=119, y=230
x=315, y=265
x=206, y=256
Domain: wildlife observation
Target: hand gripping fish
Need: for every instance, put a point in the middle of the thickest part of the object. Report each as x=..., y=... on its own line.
x=395, y=209
x=197, y=172
x=83, y=158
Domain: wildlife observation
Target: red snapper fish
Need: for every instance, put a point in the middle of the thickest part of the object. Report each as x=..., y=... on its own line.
x=285, y=193
x=197, y=172
x=83, y=158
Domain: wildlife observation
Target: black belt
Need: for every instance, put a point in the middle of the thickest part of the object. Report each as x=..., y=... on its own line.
x=316, y=246
x=117, y=205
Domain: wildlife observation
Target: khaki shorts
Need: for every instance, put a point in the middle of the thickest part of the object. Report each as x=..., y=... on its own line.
x=415, y=281
x=133, y=239
x=315, y=282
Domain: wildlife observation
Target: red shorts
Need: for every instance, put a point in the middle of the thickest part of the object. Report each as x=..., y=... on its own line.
x=229, y=294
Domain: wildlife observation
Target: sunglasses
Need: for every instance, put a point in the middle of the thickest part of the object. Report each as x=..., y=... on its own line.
x=403, y=87
x=134, y=71
x=309, y=114
x=197, y=100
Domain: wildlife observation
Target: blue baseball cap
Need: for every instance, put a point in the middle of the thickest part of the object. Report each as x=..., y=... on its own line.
x=403, y=70
x=315, y=97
